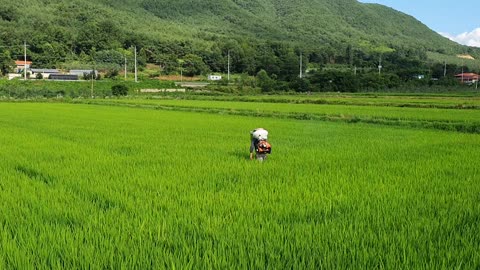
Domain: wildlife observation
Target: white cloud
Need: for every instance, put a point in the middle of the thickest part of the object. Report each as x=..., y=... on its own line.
x=467, y=38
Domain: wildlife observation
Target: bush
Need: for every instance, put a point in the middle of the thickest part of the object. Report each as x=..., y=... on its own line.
x=300, y=85
x=119, y=90
x=112, y=73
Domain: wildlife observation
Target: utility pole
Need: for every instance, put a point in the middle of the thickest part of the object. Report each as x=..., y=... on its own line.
x=355, y=70
x=228, y=68
x=301, y=65
x=92, y=74
x=462, y=70
x=25, y=60
x=380, y=66
x=125, y=67
x=476, y=81
x=136, y=72
x=445, y=69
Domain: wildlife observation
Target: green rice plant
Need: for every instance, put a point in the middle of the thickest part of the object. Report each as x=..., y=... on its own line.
x=455, y=119
x=445, y=102
x=392, y=112
x=85, y=186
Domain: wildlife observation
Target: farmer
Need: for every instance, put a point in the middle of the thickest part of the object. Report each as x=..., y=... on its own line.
x=259, y=144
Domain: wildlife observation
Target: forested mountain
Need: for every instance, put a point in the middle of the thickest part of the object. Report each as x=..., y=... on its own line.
x=326, y=31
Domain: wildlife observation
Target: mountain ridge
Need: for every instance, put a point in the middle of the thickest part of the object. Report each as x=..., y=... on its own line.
x=79, y=27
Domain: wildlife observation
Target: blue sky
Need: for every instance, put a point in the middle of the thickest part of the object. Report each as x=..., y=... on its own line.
x=458, y=20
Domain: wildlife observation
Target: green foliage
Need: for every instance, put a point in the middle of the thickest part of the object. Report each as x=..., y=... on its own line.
x=193, y=65
x=167, y=62
x=6, y=63
x=109, y=56
x=265, y=82
x=454, y=62
x=119, y=90
x=8, y=12
x=75, y=89
x=301, y=85
x=112, y=73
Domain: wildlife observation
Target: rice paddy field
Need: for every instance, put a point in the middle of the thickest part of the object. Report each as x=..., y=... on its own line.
x=167, y=184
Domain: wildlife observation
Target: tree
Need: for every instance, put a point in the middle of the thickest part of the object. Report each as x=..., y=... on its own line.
x=290, y=65
x=6, y=62
x=110, y=57
x=167, y=62
x=300, y=85
x=194, y=65
x=267, y=59
x=266, y=83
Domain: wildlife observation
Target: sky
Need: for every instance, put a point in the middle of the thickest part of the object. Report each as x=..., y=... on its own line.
x=457, y=20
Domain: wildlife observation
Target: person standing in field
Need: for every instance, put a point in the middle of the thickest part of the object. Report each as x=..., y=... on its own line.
x=259, y=144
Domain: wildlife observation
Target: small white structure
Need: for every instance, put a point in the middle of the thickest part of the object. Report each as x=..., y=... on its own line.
x=214, y=77
x=12, y=76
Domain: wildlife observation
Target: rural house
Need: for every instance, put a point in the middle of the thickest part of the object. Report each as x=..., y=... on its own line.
x=467, y=77
x=21, y=65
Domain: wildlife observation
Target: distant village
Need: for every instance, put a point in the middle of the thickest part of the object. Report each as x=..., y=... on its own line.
x=61, y=75
x=467, y=78
x=81, y=74
x=51, y=74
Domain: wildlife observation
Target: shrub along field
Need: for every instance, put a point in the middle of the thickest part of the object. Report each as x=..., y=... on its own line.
x=93, y=186
x=73, y=89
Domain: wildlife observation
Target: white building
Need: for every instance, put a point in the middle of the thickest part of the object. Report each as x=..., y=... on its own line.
x=214, y=77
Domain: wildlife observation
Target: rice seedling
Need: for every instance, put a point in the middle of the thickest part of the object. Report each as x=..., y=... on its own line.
x=85, y=186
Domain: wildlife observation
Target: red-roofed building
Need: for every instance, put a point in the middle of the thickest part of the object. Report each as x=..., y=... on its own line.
x=21, y=65
x=467, y=77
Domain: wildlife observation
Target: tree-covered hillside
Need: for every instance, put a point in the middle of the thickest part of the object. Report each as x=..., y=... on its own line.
x=197, y=35
x=305, y=22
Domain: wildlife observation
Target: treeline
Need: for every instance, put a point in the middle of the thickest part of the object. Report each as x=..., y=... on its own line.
x=276, y=64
